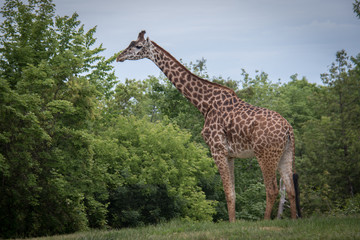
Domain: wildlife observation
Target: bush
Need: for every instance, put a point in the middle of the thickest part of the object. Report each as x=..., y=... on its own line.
x=157, y=163
x=137, y=204
x=251, y=203
x=352, y=205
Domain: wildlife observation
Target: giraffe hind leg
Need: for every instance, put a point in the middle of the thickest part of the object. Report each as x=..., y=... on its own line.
x=268, y=166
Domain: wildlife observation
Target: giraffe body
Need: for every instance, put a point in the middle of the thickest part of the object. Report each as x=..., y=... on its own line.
x=232, y=128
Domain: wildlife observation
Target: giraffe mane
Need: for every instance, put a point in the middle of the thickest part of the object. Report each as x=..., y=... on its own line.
x=199, y=78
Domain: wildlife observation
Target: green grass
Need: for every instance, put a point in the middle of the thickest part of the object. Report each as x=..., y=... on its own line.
x=311, y=228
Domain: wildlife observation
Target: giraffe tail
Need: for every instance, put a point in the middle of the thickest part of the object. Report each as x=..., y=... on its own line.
x=297, y=194
x=295, y=175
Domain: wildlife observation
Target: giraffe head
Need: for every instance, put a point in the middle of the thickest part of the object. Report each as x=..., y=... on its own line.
x=136, y=50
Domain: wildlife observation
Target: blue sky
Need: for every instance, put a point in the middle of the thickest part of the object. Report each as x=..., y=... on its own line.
x=279, y=37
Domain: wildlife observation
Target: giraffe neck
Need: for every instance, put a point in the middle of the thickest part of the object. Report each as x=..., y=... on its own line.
x=197, y=90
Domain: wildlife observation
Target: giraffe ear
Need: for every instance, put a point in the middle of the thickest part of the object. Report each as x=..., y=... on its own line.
x=147, y=40
x=141, y=36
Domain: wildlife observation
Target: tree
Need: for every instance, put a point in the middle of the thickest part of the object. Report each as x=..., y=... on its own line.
x=259, y=91
x=344, y=109
x=129, y=98
x=156, y=161
x=330, y=150
x=356, y=8
x=169, y=103
x=52, y=80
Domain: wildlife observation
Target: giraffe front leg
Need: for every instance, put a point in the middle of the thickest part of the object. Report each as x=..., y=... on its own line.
x=232, y=172
x=217, y=142
x=227, y=178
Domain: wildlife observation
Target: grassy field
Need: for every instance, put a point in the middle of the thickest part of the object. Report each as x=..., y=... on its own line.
x=311, y=228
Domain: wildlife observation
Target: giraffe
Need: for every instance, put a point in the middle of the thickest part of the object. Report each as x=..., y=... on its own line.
x=232, y=128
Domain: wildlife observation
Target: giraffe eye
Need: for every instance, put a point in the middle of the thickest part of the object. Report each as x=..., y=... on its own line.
x=138, y=47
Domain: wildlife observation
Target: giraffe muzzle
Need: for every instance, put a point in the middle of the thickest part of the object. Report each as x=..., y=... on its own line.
x=120, y=59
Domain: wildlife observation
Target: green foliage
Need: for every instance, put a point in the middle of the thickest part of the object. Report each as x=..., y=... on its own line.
x=136, y=205
x=250, y=189
x=168, y=102
x=259, y=91
x=49, y=92
x=356, y=8
x=128, y=99
x=154, y=154
x=251, y=202
x=352, y=205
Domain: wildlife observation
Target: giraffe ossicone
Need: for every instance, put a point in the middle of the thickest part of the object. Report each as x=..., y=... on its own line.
x=232, y=129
